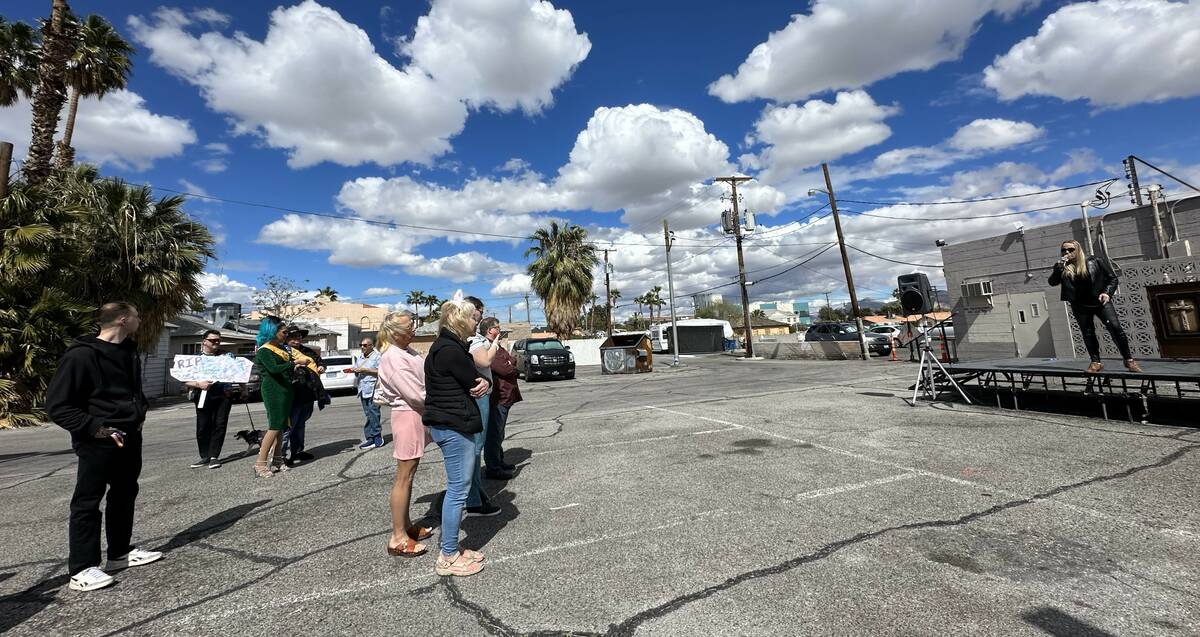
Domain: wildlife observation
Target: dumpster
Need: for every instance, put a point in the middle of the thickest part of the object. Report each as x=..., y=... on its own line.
x=626, y=354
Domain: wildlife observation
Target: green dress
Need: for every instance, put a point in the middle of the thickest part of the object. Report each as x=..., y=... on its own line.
x=275, y=376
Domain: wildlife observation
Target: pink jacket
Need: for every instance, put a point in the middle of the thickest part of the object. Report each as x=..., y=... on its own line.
x=402, y=379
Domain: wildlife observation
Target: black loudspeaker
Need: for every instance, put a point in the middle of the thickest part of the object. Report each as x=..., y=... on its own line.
x=916, y=297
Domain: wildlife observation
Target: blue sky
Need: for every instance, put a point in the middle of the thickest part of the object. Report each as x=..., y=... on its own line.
x=496, y=116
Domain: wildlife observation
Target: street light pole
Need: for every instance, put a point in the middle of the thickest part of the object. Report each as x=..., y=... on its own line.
x=837, y=224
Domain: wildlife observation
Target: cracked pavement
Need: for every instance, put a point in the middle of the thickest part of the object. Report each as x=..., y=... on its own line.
x=797, y=497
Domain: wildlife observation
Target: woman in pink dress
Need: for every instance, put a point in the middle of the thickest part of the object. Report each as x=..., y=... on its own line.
x=402, y=387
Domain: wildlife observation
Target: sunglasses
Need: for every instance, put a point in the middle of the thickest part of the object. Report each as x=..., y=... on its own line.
x=1068, y=250
x=212, y=340
x=365, y=345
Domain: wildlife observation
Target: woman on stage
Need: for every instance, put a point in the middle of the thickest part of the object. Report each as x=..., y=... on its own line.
x=1088, y=284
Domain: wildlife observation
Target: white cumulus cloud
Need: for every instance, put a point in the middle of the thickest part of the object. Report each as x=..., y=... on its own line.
x=219, y=288
x=118, y=130
x=800, y=136
x=1110, y=52
x=316, y=87
x=993, y=134
x=846, y=44
x=502, y=53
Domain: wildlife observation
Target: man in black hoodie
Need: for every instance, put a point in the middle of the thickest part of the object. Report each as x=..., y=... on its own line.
x=96, y=394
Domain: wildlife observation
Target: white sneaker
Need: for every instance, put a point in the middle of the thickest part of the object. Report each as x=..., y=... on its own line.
x=135, y=557
x=89, y=579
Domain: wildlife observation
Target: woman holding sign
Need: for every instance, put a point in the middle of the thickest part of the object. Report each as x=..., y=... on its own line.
x=275, y=367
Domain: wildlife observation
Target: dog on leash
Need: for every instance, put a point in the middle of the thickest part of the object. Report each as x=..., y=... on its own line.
x=252, y=438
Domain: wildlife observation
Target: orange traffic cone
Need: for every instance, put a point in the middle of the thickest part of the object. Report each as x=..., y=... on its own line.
x=893, y=339
x=942, y=355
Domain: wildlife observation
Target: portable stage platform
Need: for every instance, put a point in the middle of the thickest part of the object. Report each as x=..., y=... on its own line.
x=1172, y=386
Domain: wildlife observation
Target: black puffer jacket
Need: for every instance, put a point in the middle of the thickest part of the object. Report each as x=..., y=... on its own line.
x=1101, y=279
x=449, y=376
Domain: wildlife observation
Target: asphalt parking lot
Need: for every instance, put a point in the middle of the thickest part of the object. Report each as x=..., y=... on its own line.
x=726, y=497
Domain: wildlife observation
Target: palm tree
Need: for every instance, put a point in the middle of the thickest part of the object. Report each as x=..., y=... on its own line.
x=100, y=63
x=655, y=301
x=562, y=273
x=414, y=299
x=19, y=56
x=136, y=249
x=38, y=317
x=48, y=98
x=327, y=294
x=640, y=300
x=432, y=302
x=593, y=297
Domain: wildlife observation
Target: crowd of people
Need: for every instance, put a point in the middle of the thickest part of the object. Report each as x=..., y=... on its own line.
x=456, y=397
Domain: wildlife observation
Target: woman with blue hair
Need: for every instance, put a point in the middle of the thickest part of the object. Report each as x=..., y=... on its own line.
x=276, y=363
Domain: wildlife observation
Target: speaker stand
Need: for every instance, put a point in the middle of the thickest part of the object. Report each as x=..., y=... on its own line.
x=926, y=384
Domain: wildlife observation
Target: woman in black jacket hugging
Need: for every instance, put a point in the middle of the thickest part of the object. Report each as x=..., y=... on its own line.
x=1088, y=284
x=451, y=385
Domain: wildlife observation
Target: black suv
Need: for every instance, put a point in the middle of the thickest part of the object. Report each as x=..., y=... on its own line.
x=876, y=343
x=543, y=358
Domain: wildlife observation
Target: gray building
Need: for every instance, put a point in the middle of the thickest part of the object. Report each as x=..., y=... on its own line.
x=1004, y=308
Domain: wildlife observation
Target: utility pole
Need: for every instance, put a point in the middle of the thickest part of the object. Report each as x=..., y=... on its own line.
x=1131, y=174
x=669, y=239
x=510, y=314
x=827, y=304
x=6, y=150
x=837, y=224
x=737, y=233
x=528, y=314
x=607, y=295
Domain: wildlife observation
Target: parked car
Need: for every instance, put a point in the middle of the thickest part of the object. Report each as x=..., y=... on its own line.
x=543, y=358
x=876, y=343
x=889, y=330
x=335, y=378
x=248, y=391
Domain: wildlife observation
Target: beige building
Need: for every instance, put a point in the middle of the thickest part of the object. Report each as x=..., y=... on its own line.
x=349, y=321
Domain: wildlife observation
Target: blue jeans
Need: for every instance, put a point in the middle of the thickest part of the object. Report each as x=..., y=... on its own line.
x=371, y=430
x=457, y=454
x=293, y=438
x=477, y=496
x=493, y=449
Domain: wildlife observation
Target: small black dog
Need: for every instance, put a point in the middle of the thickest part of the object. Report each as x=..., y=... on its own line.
x=252, y=438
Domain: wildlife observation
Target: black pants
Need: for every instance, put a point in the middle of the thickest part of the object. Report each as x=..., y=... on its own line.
x=103, y=467
x=1087, y=328
x=211, y=424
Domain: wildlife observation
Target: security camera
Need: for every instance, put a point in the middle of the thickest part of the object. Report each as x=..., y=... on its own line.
x=941, y=243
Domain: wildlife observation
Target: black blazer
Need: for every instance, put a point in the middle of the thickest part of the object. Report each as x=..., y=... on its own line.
x=449, y=376
x=1100, y=275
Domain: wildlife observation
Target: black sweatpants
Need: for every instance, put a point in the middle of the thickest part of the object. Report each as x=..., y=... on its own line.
x=211, y=425
x=103, y=467
x=1085, y=315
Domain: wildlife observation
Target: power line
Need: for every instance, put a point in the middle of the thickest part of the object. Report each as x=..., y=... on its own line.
x=790, y=259
x=1002, y=214
x=978, y=199
x=920, y=265
x=798, y=265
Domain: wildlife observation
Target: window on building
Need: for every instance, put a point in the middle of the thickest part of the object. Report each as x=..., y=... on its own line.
x=1037, y=311
x=1021, y=316
x=191, y=349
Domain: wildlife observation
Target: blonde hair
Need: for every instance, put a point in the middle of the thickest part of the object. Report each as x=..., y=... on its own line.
x=394, y=325
x=1077, y=266
x=456, y=317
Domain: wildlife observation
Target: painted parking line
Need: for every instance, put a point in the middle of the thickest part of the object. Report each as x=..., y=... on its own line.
x=992, y=488
x=866, y=484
